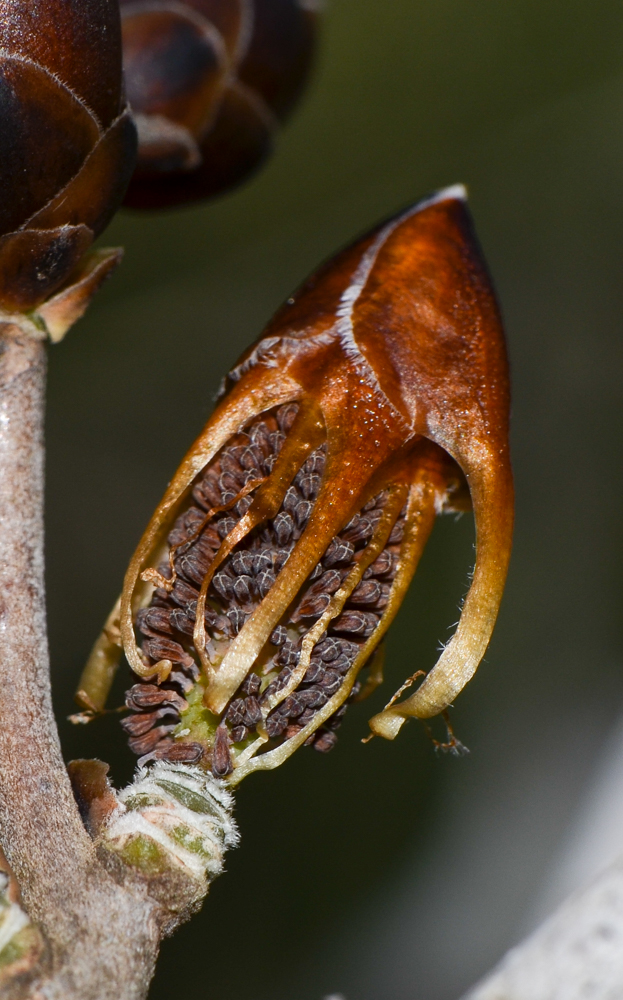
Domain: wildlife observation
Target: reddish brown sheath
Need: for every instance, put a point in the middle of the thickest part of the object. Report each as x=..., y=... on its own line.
x=387, y=376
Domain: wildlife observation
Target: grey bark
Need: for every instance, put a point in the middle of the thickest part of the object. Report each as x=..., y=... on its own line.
x=101, y=937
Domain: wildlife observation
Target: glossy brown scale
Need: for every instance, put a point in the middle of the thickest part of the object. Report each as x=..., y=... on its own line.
x=209, y=83
x=68, y=150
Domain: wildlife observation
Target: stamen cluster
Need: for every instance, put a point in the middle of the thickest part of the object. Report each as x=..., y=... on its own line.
x=243, y=580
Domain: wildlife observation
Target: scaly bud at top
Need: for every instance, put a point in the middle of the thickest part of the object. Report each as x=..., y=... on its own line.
x=68, y=143
x=209, y=83
x=376, y=398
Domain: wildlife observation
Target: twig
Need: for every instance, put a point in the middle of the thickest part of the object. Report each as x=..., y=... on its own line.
x=100, y=936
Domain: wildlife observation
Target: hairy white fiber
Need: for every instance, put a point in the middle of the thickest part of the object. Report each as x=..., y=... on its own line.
x=182, y=809
x=12, y=917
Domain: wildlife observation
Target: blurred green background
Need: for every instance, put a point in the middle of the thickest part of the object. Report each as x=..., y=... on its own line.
x=383, y=870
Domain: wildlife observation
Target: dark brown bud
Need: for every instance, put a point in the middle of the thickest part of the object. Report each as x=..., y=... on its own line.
x=209, y=82
x=68, y=145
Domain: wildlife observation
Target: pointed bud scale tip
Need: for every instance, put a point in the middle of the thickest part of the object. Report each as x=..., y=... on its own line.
x=376, y=399
x=69, y=304
x=454, y=192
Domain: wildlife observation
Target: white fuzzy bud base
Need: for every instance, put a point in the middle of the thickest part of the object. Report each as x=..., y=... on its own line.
x=20, y=941
x=13, y=920
x=176, y=817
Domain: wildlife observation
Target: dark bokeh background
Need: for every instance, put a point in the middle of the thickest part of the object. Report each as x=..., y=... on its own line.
x=382, y=870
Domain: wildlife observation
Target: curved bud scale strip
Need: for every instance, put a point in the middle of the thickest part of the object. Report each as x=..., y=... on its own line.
x=376, y=399
x=210, y=82
x=68, y=147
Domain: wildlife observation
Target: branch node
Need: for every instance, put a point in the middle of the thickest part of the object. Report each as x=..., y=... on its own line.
x=169, y=830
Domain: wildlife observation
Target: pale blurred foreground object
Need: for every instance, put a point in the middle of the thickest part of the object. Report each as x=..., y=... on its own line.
x=376, y=399
x=577, y=954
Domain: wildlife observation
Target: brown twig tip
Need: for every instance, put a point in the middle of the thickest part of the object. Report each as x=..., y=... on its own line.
x=209, y=82
x=376, y=399
x=68, y=144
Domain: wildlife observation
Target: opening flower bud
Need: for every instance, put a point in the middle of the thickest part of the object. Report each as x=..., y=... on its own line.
x=68, y=143
x=209, y=83
x=376, y=399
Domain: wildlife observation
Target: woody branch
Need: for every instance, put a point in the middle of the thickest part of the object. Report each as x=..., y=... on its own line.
x=100, y=939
